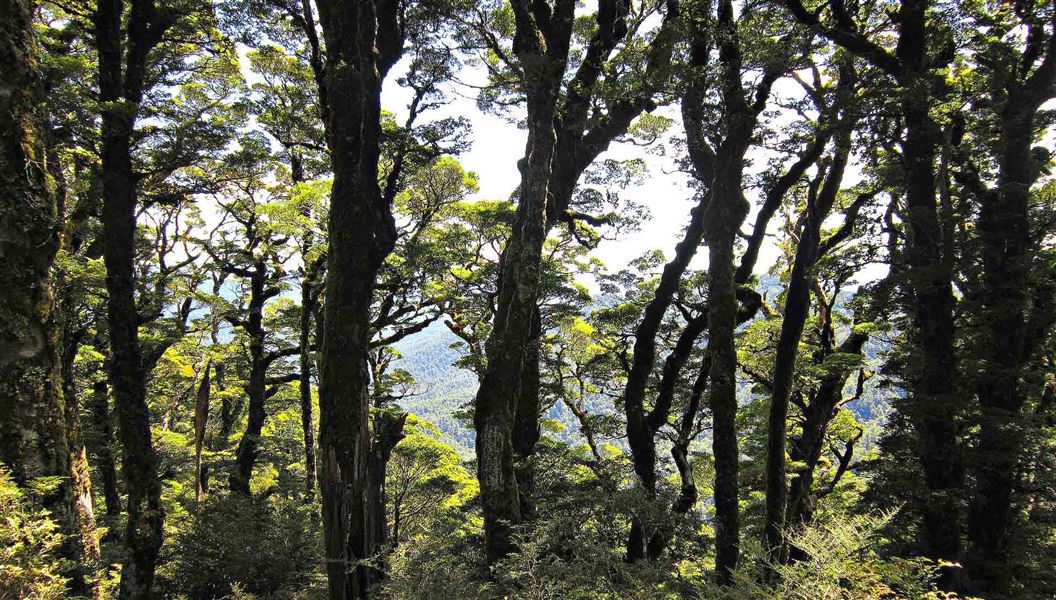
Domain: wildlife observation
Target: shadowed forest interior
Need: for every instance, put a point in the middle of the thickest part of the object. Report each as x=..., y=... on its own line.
x=540, y=299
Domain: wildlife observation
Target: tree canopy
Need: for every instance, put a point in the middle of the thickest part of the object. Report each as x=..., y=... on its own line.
x=439, y=299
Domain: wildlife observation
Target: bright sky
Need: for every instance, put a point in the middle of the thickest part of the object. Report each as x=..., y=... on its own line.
x=498, y=144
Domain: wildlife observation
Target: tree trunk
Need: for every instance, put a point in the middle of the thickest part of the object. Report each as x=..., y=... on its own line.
x=256, y=386
x=82, y=540
x=363, y=41
x=343, y=380
x=935, y=399
x=564, y=138
x=581, y=139
x=822, y=407
x=722, y=319
x=34, y=433
x=229, y=408
x=219, y=441
x=120, y=91
x=102, y=439
x=642, y=427
x=526, y=420
x=796, y=311
x=495, y=408
x=139, y=462
x=308, y=300
x=639, y=431
x=1004, y=223
x=388, y=431
x=35, y=414
x=726, y=211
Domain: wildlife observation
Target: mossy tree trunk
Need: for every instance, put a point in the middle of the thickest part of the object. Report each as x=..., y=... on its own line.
x=1018, y=313
x=363, y=41
x=934, y=401
x=541, y=45
x=794, y=318
x=720, y=170
x=39, y=431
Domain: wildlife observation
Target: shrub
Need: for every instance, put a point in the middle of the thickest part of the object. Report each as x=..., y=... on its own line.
x=840, y=562
x=29, y=567
x=246, y=548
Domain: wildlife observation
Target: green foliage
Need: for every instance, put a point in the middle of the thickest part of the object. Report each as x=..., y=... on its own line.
x=425, y=481
x=233, y=176
x=443, y=564
x=841, y=561
x=29, y=567
x=266, y=547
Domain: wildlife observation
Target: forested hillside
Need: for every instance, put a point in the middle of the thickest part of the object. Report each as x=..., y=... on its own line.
x=444, y=391
x=547, y=299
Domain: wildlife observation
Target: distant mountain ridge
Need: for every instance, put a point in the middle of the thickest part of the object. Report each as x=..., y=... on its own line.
x=446, y=391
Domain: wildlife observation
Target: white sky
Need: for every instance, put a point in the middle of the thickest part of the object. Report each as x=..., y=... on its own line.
x=498, y=144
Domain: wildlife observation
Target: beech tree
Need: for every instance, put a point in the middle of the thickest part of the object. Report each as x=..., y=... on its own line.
x=566, y=133
x=719, y=165
x=228, y=223
x=913, y=64
x=38, y=417
x=1019, y=82
x=819, y=203
x=288, y=107
x=258, y=259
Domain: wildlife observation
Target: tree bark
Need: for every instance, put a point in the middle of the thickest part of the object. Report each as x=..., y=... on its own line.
x=310, y=272
x=256, y=385
x=309, y=298
x=121, y=81
x=934, y=401
x=565, y=137
x=641, y=426
x=363, y=41
x=38, y=415
x=725, y=212
x=525, y=433
x=82, y=539
x=796, y=311
x=823, y=404
x=1008, y=251
x=542, y=49
x=581, y=138
x=722, y=316
x=102, y=444
x=388, y=431
x=229, y=409
x=495, y=407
